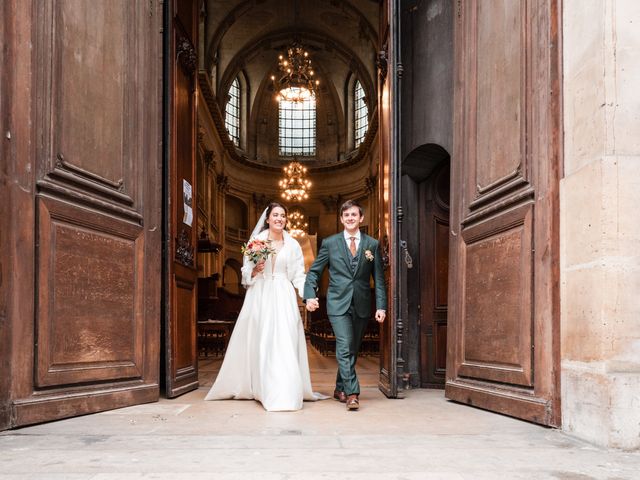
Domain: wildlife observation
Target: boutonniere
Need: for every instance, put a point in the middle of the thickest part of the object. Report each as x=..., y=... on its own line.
x=368, y=255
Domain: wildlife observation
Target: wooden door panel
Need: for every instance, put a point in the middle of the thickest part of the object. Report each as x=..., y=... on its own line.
x=503, y=295
x=499, y=92
x=90, y=157
x=91, y=226
x=90, y=296
x=434, y=271
x=181, y=369
x=185, y=327
x=440, y=346
x=441, y=262
x=103, y=75
x=497, y=100
x=391, y=362
x=497, y=327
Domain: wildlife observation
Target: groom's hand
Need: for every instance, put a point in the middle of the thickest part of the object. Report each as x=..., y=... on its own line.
x=312, y=304
x=380, y=316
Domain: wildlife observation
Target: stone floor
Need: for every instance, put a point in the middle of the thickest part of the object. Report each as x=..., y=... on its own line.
x=423, y=436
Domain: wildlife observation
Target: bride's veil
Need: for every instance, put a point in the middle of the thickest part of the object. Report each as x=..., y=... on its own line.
x=259, y=226
x=246, y=263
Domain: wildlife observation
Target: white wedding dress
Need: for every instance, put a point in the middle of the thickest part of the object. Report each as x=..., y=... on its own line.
x=266, y=358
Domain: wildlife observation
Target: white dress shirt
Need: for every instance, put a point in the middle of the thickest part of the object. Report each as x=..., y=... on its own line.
x=347, y=238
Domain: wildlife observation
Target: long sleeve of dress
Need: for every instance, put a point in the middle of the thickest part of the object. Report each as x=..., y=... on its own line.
x=295, y=269
x=246, y=270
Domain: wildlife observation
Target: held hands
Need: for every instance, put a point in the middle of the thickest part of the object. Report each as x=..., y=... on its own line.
x=380, y=316
x=312, y=304
x=259, y=268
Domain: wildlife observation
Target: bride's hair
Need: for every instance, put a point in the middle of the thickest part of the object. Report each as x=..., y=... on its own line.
x=270, y=207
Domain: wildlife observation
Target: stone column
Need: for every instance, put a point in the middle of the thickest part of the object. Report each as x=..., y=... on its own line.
x=600, y=222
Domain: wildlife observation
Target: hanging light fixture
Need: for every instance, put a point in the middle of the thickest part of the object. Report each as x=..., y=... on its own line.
x=295, y=81
x=296, y=224
x=294, y=185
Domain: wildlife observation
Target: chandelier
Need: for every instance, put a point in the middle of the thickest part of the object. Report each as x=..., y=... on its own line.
x=294, y=81
x=294, y=185
x=296, y=224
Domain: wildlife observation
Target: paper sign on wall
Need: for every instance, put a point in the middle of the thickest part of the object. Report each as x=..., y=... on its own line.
x=187, y=196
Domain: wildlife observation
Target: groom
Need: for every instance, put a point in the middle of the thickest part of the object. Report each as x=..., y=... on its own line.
x=353, y=258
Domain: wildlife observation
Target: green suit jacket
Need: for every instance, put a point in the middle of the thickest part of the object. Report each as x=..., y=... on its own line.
x=345, y=284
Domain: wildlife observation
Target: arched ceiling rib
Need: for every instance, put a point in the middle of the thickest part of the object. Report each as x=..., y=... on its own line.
x=233, y=24
x=316, y=41
x=236, y=12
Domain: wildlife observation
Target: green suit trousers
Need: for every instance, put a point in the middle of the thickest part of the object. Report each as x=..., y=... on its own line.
x=348, y=330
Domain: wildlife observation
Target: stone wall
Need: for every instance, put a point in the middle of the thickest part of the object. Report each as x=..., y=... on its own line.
x=600, y=224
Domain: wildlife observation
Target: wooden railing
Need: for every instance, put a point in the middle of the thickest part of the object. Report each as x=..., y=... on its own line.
x=236, y=234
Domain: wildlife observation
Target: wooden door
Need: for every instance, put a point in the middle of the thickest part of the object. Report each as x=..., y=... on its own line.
x=181, y=356
x=391, y=363
x=81, y=237
x=503, y=298
x=434, y=271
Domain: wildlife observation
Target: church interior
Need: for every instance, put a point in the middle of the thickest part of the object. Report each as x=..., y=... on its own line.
x=287, y=110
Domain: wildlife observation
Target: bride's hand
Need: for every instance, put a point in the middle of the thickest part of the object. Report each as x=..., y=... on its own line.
x=258, y=268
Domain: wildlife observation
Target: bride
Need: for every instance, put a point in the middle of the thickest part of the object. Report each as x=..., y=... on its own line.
x=266, y=358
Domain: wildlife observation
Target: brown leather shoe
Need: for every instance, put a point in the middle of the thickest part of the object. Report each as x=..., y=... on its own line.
x=340, y=396
x=352, y=402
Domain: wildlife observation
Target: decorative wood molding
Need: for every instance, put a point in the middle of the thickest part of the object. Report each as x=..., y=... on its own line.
x=63, y=164
x=386, y=261
x=370, y=183
x=209, y=156
x=62, y=191
x=382, y=62
x=222, y=181
x=186, y=55
x=184, y=249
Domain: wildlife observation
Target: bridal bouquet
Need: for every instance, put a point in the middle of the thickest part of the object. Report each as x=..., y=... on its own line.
x=257, y=250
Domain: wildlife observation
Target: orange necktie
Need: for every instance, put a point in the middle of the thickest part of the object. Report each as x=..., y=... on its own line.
x=352, y=246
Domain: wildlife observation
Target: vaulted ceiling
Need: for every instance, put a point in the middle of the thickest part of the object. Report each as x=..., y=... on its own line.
x=248, y=35
x=242, y=31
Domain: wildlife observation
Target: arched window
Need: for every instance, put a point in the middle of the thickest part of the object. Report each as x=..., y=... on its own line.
x=232, y=112
x=297, y=127
x=360, y=114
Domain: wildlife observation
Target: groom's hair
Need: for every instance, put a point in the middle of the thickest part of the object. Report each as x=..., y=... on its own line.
x=351, y=203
